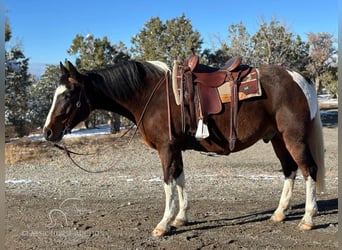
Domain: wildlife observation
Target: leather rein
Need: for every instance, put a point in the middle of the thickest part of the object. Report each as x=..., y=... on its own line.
x=78, y=105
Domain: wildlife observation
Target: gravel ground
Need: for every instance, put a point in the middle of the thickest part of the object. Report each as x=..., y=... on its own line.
x=53, y=204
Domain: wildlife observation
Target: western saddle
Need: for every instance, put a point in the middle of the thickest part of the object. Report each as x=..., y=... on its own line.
x=198, y=85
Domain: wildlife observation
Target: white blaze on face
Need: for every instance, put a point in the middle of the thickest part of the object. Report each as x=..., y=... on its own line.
x=308, y=90
x=60, y=90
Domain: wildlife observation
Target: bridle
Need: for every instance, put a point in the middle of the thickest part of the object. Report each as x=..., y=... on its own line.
x=78, y=104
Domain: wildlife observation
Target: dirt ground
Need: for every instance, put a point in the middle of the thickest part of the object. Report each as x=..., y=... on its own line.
x=53, y=204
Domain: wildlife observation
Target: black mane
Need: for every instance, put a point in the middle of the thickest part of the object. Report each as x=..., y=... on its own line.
x=123, y=79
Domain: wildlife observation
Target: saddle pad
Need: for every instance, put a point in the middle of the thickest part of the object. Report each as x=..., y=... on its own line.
x=249, y=87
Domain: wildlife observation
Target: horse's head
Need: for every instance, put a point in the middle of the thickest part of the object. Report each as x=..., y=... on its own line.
x=70, y=105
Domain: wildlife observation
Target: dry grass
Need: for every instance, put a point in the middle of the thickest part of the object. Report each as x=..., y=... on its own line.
x=26, y=150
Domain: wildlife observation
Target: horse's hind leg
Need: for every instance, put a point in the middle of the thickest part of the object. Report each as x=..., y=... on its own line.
x=173, y=177
x=300, y=152
x=290, y=169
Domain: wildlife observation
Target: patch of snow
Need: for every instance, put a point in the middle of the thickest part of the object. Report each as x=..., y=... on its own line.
x=20, y=181
x=259, y=177
x=155, y=179
x=100, y=130
x=326, y=98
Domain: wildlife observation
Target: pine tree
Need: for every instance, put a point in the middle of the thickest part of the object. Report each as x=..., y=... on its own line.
x=167, y=41
x=272, y=43
x=17, y=82
x=94, y=52
x=240, y=42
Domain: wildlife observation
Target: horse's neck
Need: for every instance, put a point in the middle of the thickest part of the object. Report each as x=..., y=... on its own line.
x=100, y=101
x=128, y=102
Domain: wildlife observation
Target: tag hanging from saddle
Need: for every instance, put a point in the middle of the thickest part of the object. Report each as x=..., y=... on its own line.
x=202, y=131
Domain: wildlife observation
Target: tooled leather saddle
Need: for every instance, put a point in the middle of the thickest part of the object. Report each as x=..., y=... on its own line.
x=198, y=85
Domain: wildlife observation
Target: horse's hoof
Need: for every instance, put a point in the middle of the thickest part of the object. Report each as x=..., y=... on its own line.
x=159, y=232
x=305, y=226
x=278, y=217
x=178, y=223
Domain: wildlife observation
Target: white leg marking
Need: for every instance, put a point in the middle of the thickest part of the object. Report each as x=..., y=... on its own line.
x=182, y=217
x=61, y=89
x=310, y=205
x=279, y=213
x=164, y=225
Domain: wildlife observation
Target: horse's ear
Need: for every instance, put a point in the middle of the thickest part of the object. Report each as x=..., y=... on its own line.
x=64, y=70
x=73, y=71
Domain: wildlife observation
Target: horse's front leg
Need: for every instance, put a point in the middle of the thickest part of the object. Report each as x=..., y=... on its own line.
x=163, y=226
x=173, y=177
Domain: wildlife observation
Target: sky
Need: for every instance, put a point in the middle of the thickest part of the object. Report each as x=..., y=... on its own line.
x=45, y=29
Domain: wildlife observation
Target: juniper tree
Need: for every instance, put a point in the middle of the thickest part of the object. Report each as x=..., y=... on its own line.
x=167, y=41
x=17, y=82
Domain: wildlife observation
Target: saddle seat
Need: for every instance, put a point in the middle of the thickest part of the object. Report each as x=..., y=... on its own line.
x=214, y=77
x=231, y=65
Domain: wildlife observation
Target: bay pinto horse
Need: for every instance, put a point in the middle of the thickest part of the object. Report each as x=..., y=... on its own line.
x=287, y=114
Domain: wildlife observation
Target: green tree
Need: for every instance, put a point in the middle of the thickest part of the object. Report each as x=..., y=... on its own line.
x=298, y=55
x=215, y=58
x=330, y=80
x=272, y=43
x=146, y=44
x=167, y=41
x=93, y=52
x=17, y=82
x=239, y=42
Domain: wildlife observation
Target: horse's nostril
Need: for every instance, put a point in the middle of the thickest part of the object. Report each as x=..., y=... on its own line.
x=47, y=133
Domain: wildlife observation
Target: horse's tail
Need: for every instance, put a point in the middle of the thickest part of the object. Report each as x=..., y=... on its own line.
x=317, y=150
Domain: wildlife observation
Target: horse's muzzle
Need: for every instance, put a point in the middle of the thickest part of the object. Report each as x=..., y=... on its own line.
x=49, y=135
